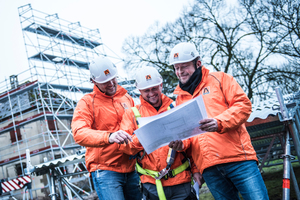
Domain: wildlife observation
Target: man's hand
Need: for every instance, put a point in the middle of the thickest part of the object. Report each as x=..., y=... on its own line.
x=119, y=137
x=199, y=179
x=176, y=145
x=208, y=125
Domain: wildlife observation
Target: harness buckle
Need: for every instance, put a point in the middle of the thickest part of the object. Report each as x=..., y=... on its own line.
x=162, y=173
x=169, y=175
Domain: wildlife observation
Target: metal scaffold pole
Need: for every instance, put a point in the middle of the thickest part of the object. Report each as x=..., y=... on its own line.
x=37, y=105
x=287, y=157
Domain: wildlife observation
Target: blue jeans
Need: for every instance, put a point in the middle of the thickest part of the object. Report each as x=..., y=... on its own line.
x=226, y=180
x=111, y=185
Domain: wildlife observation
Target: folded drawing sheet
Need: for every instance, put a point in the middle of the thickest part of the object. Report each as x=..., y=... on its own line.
x=179, y=123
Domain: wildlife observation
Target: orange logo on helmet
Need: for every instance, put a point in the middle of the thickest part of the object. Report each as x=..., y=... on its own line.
x=148, y=77
x=106, y=72
x=176, y=55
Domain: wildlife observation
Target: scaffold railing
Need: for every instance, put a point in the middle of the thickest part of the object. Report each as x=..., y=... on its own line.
x=37, y=105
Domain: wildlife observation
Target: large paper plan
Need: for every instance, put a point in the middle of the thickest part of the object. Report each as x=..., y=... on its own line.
x=179, y=123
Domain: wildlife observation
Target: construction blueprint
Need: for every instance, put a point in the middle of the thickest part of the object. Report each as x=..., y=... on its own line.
x=179, y=123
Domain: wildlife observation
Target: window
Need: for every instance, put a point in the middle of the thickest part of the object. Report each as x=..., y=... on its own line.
x=13, y=135
x=19, y=168
x=51, y=125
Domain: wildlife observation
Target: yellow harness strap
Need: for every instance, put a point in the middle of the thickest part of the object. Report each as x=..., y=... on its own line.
x=154, y=174
x=136, y=114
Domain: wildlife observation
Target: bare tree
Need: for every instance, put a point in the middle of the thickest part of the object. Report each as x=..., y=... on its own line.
x=287, y=15
x=152, y=49
x=281, y=39
x=240, y=39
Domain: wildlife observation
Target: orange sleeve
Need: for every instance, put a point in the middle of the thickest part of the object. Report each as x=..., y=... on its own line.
x=186, y=144
x=194, y=168
x=220, y=127
x=82, y=130
x=188, y=151
x=129, y=125
x=239, y=105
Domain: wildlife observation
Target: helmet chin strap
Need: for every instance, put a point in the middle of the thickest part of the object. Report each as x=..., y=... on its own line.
x=102, y=91
x=99, y=89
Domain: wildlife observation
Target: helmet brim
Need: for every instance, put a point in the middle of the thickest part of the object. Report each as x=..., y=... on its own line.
x=150, y=86
x=105, y=80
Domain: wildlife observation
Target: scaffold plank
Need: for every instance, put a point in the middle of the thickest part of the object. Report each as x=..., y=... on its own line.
x=33, y=118
x=63, y=61
x=69, y=88
x=18, y=90
x=50, y=32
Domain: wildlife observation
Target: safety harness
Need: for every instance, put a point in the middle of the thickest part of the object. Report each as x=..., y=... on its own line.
x=164, y=173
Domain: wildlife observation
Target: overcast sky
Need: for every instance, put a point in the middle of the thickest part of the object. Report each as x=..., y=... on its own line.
x=116, y=20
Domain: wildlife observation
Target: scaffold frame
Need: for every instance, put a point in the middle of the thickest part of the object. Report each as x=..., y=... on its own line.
x=38, y=103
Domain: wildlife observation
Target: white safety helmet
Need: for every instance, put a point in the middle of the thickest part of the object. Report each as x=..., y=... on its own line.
x=147, y=77
x=182, y=53
x=102, y=70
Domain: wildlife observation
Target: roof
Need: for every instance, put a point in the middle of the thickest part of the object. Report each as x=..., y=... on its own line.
x=266, y=122
x=44, y=167
x=265, y=111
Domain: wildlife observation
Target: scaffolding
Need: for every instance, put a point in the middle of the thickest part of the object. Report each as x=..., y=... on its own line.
x=36, y=105
x=274, y=130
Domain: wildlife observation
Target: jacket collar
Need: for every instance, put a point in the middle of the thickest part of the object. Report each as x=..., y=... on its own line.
x=119, y=93
x=179, y=91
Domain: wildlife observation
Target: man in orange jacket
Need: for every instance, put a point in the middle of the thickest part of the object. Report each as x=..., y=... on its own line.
x=177, y=183
x=224, y=154
x=95, y=125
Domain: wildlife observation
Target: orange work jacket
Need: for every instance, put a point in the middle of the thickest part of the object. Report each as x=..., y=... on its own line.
x=157, y=160
x=95, y=117
x=226, y=102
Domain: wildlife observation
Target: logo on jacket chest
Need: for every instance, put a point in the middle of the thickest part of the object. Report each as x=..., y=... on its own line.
x=206, y=90
x=124, y=105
